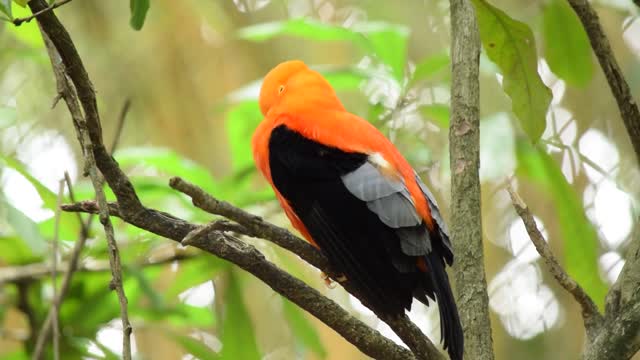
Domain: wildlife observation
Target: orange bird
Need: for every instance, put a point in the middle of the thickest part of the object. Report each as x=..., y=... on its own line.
x=351, y=193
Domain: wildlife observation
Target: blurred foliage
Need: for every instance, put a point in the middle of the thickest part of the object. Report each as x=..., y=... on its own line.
x=194, y=69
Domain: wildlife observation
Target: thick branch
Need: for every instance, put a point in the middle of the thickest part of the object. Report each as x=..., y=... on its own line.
x=590, y=314
x=76, y=71
x=619, y=337
x=464, y=154
x=363, y=337
x=252, y=225
x=618, y=84
x=255, y=226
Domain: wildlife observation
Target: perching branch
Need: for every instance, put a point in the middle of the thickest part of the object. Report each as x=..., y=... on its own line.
x=464, y=155
x=590, y=314
x=248, y=258
x=619, y=87
x=256, y=227
x=251, y=225
x=131, y=210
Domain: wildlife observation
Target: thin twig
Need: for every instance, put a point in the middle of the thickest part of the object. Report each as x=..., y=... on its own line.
x=590, y=314
x=121, y=119
x=19, y=21
x=33, y=272
x=71, y=267
x=54, y=272
x=617, y=83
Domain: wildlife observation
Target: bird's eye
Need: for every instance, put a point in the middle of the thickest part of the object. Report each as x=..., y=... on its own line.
x=280, y=89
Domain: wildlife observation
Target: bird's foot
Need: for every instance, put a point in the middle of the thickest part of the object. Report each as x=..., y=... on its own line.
x=329, y=281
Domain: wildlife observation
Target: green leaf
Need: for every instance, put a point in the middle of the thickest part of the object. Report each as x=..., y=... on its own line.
x=343, y=79
x=387, y=41
x=14, y=251
x=168, y=162
x=238, y=337
x=19, y=354
x=566, y=45
x=193, y=272
x=139, y=9
x=510, y=45
x=195, y=347
x=22, y=3
x=49, y=198
x=438, y=113
x=302, y=328
x=26, y=228
x=5, y=8
x=28, y=33
x=429, y=67
x=579, y=236
x=242, y=119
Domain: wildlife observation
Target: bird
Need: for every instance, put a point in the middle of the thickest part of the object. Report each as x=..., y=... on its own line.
x=349, y=192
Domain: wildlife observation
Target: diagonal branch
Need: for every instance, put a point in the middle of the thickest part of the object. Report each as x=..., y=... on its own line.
x=369, y=341
x=256, y=227
x=590, y=314
x=69, y=95
x=619, y=87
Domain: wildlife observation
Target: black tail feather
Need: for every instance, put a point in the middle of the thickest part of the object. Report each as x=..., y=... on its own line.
x=450, y=326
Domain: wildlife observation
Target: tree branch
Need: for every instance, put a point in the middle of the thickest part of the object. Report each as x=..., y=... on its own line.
x=69, y=95
x=19, y=21
x=590, y=314
x=619, y=337
x=54, y=273
x=255, y=226
x=464, y=154
x=132, y=211
x=619, y=86
x=248, y=258
x=37, y=271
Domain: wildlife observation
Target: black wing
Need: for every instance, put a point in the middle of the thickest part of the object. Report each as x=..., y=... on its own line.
x=366, y=224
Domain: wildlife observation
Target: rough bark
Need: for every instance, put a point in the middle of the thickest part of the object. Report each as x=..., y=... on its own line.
x=464, y=154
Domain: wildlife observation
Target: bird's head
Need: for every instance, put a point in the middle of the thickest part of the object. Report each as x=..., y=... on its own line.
x=292, y=85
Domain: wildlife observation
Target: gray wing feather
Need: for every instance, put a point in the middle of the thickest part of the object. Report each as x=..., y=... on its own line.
x=435, y=213
x=391, y=201
x=388, y=198
x=367, y=184
x=395, y=210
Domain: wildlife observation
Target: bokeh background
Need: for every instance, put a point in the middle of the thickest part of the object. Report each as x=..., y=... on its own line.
x=192, y=75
